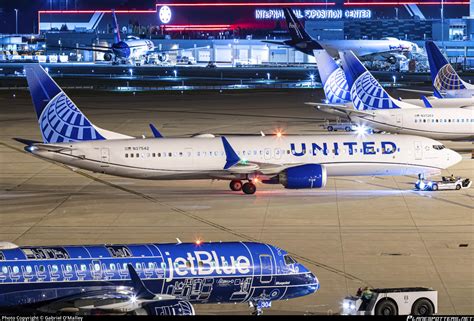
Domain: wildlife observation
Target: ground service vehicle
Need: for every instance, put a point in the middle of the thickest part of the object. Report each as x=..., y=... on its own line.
x=394, y=301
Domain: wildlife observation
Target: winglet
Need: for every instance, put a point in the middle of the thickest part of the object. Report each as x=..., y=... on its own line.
x=141, y=291
x=426, y=102
x=231, y=156
x=155, y=131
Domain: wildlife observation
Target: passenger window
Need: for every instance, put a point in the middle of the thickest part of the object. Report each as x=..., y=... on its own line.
x=16, y=269
x=41, y=268
x=68, y=268
x=4, y=269
x=154, y=155
x=169, y=154
x=131, y=155
x=54, y=268
x=138, y=155
x=83, y=267
x=28, y=269
x=126, y=155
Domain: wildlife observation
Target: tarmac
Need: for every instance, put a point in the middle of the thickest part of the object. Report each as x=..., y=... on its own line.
x=357, y=231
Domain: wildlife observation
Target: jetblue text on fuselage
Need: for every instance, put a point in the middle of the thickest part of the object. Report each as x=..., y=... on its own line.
x=206, y=263
x=367, y=148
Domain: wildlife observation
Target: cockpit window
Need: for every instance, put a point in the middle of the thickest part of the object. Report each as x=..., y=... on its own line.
x=289, y=260
x=439, y=147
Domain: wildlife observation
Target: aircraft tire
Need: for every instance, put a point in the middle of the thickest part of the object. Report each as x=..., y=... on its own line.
x=235, y=185
x=249, y=188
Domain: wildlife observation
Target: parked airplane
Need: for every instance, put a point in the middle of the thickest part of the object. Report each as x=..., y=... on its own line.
x=125, y=51
x=388, y=48
x=148, y=279
x=373, y=106
x=293, y=161
x=337, y=90
x=446, y=81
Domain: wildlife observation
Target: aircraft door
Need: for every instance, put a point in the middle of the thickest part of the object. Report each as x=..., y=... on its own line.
x=278, y=153
x=418, y=151
x=266, y=268
x=399, y=120
x=104, y=157
x=267, y=153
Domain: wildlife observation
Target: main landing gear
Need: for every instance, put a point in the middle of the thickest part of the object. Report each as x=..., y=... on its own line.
x=247, y=188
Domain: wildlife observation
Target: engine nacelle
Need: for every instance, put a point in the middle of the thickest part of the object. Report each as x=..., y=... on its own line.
x=304, y=176
x=167, y=307
x=163, y=57
x=107, y=56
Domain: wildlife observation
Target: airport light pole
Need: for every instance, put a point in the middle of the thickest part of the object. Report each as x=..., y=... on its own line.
x=16, y=21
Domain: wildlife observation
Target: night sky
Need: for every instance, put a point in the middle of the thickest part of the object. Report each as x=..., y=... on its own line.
x=27, y=17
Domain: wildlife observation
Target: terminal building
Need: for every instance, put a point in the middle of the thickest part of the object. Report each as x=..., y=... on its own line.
x=233, y=29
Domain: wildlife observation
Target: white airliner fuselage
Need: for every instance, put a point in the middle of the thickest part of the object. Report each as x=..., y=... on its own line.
x=437, y=123
x=204, y=158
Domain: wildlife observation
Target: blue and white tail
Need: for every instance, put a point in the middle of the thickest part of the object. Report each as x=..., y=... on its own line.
x=366, y=91
x=332, y=76
x=116, y=27
x=443, y=75
x=59, y=118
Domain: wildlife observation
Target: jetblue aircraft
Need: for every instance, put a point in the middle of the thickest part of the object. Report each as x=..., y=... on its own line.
x=373, y=106
x=293, y=161
x=446, y=81
x=148, y=279
x=388, y=48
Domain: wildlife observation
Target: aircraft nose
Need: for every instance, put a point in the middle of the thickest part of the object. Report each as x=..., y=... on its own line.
x=454, y=157
x=312, y=282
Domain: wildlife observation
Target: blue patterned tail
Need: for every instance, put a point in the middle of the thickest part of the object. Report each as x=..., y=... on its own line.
x=59, y=118
x=334, y=81
x=443, y=75
x=366, y=91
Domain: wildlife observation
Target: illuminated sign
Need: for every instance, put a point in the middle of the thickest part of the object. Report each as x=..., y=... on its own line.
x=314, y=14
x=165, y=14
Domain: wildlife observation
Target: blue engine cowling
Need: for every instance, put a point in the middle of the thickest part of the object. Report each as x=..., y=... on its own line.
x=168, y=307
x=304, y=176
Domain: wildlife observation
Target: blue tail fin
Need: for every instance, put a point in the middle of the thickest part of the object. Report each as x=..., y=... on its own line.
x=116, y=27
x=59, y=118
x=443, y=75
x=334, y=81
x=366, y=92
x=295, y=27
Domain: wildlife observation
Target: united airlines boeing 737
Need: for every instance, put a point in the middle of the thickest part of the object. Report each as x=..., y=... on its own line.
x=446, y=81
x=372, y=106
x=293, y=161
x=337, y=90
x=148, y=279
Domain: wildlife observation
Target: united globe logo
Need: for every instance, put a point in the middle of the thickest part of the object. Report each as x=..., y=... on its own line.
x=165, y=14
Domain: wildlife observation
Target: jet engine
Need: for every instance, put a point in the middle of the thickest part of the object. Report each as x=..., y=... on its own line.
x=107, y=56
x=166, y=307
x=163, y=57
x=304, y=176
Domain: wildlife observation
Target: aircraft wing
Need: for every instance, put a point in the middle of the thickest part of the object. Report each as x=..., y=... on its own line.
x=118, y=299
x=427, y=92
x=275, y=42
x=345, y=110
x=95, y=48
x=178, y=49
x=236, y=165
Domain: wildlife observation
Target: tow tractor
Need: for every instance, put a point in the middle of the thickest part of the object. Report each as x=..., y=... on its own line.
x=446, y=183
x=396, y=301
